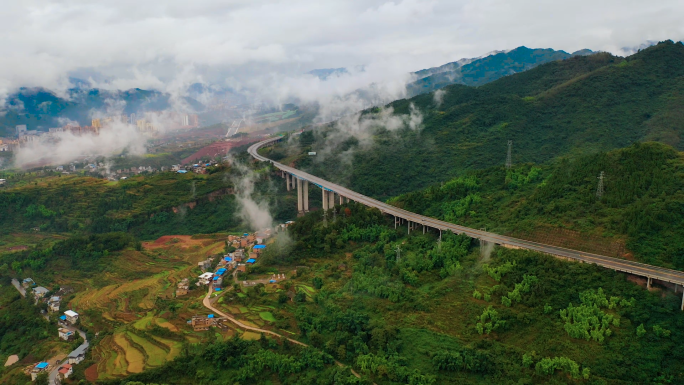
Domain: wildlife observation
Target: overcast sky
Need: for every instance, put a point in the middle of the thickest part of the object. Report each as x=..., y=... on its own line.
x=167, y=44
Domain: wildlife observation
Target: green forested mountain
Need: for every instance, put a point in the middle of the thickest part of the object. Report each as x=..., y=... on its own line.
x=581, y=105
x=476, y=72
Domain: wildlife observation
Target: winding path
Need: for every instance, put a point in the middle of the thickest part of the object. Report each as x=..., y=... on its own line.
x=207, y=303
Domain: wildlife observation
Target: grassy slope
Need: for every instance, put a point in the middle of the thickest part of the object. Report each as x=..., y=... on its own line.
x=577, y=106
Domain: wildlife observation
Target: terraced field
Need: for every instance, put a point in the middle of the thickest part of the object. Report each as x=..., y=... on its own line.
x=129, y=304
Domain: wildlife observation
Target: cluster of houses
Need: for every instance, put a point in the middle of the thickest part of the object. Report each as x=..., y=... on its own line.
x=40, y=294
x=65, y=370
x=197, y=168
x=65, y=331
x=239, y=259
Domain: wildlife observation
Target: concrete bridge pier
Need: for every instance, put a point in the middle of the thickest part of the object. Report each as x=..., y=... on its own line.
x=306, y=195
x=682, y=303
x=287, y=181
x=300, y=198
x=648, y=283
x=341, y=200
x=325, y=199
x=331, y=199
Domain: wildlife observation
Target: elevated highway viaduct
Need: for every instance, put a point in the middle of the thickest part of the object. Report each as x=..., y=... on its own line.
x=299, y=180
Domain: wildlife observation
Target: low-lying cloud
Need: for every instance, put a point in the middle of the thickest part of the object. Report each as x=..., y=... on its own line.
x=65, y=147
x=254, y=212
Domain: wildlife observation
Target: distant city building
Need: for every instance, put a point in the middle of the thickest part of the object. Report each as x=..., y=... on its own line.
x=20, y=129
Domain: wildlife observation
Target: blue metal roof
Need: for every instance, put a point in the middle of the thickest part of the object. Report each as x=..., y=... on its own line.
x=42, y=365
x=218, y=289
x=228, y=259
x=251, y=260
x=260, y=246
x=62, y=317
x=272, y=281
x=182, y=171
x=216, y=278
x=210, y=316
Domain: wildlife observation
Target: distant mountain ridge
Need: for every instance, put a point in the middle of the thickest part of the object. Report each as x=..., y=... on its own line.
x=485, y=69
x=42, y=109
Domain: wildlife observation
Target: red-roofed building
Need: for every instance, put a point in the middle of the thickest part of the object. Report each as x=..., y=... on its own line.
x=65, y=371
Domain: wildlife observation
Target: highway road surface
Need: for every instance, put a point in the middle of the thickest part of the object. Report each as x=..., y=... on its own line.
x=641, y=269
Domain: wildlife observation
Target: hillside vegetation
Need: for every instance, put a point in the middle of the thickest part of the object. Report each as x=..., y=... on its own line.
x=581, y=105
x=148, y=206
x=642, y=205
x=412, y=310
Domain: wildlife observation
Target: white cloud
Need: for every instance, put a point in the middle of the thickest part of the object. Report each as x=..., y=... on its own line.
x=160, y=44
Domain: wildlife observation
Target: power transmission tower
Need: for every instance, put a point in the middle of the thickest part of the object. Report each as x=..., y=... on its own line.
x=509, y=163
x=599, y=188
x=398, y=249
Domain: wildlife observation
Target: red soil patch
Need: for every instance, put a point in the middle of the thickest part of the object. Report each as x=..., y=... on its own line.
x=219, y=148
x=184, y=241
x=91, y=373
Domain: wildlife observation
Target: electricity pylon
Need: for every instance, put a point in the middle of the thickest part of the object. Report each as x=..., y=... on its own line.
x=599, y=188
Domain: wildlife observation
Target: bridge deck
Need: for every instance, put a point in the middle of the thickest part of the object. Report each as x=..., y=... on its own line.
x=641, y=269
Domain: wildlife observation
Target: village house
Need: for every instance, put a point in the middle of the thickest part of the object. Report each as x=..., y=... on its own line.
x=238, y=255
x=200, y=323
x=65, y=334
x=259, y=248
x=65, y=371
x=28, y=282
x=39, y=292
x=183, y=287
x=78, y=355
x=38, y=369
x=217, y=281
x=242, y=268
x=71, y=317
x=205, y=278
x=206, y=264
x=253, y=256
x=54, y=302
